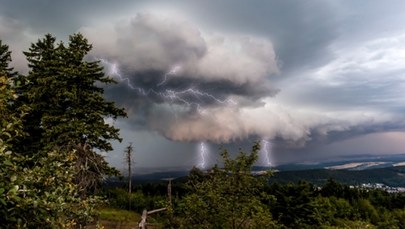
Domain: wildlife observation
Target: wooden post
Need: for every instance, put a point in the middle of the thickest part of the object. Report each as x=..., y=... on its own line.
x=156, y=210
x=142, y=224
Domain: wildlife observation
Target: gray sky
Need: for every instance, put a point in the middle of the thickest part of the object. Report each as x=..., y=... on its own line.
x=317, y=79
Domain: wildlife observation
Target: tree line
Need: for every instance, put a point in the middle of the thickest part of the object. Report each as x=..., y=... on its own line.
x=231, y=196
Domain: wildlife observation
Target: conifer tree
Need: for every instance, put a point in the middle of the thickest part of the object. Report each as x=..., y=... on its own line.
x=67, y=107
x=5, y=59
x=64, y=93
x=7, y=101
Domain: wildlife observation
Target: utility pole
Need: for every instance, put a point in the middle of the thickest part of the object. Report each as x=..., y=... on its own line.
x=169, y=192
x=128, y=158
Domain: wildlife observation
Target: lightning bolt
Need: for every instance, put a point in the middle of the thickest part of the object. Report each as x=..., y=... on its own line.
x=165, y=93
x=266, y=151
x=173, y=71
x=172, y=95
x=203, y=156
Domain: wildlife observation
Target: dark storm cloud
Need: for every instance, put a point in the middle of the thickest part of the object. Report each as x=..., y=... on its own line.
x=301, y=31
x=156, y=87
x=190, y=86
x=59, y=17
x=304, y=73
x=166, y=63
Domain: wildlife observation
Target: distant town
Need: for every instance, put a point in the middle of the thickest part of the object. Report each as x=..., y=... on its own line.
x=380, y=186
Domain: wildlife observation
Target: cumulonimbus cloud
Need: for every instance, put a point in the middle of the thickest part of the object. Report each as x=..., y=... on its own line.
x=188, y=105
x=151, y=43
x=226, y=124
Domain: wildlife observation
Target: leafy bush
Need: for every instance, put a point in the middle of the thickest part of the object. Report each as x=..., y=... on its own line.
x=36, y=191
x=229, y=197
x=118, y=198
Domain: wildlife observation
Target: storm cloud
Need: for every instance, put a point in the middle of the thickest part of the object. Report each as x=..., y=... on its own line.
x=318, y=78
x=191, y=85
x=148, y=42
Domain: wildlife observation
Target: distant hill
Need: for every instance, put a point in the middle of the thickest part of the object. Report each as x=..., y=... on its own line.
x=353, y=170
x=358, y=162
x=160, y=175
x=391, y=176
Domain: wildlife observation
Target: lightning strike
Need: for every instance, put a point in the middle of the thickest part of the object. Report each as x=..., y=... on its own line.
x=203, y=156
x=266, y=151
x=169, y=94
x=173, y=71
x=180, y=96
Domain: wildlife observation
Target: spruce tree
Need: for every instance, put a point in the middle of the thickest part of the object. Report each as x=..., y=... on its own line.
x=67, y=107
x=5, y=59
x=7, y=102
x=66, y=98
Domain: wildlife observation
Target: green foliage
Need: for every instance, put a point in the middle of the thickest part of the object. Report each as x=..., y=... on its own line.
x=10, y=118
x=66, y=109
x=300, y=205
x=228, y=197
x=335, y=205
x=10, y=123
x=350, y=224
x=113, y=214
x=221, y=196
x=365, y=210
x=51, y=123
x=36, y=192
x=294, y=206
x=343, y=208
x=5, y=59
x=66, y=101
x=333, y=188
x=398, y=216
x=43, y=195
x=324, y=210
x=118, y=198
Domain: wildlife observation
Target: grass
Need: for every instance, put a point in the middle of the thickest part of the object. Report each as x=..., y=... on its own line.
x=121, y=219
x=119, y=215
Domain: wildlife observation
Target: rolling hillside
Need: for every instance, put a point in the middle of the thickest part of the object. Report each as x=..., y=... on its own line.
x=391, y=176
